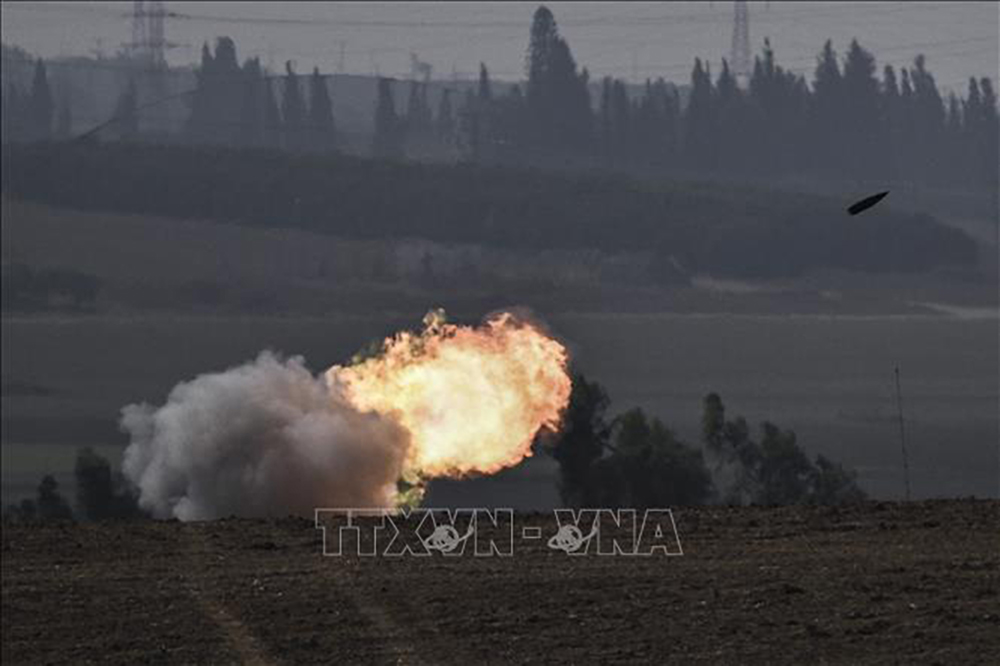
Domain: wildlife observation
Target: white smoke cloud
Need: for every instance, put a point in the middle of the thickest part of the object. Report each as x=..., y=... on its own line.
x=263, y=439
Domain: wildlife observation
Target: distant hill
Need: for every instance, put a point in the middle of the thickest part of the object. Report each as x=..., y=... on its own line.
x=732, y=231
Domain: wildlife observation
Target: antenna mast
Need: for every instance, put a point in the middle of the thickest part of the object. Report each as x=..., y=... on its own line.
x=902, y=437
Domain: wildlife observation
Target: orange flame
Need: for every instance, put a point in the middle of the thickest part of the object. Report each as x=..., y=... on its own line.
x=472, y=399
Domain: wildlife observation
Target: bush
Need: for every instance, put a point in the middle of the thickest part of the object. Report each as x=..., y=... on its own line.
x=647, y=466
x=101, y=494
x=774, y=471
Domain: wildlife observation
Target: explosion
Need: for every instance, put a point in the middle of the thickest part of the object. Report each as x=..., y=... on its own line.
x=471, y=399
x=268, y=438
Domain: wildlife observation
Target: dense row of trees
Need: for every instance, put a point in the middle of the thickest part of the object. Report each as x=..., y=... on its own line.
x=236, y=105
x=31, y=115
x=731, y=231
x=628, y=461
x=231, y=105
x=847, y=124
x=634, y=461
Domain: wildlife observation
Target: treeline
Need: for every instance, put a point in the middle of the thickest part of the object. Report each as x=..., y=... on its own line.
x=32, y=114
x=638, y=462
x=236, y=105
x=101, y=494
x=846, y=124
x=628, y=461
x=232, y=105
x=850, y=122
x=699, y=228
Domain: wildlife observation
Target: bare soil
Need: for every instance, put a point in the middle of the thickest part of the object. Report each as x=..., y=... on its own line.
x=877, y=583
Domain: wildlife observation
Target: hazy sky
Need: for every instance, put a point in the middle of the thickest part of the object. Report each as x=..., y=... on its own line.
x=632, y=40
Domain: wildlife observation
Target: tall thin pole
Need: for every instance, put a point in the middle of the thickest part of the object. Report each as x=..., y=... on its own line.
x=902, y=437
x=739, y=56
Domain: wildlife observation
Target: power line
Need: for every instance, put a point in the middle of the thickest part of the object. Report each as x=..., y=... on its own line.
x=613, y=20
x=127, y=67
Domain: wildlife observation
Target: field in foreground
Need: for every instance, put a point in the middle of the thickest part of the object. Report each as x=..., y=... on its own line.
x=878, y=583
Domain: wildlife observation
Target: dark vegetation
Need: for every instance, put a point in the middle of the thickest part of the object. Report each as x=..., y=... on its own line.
x=101, y=494
x=847, y=124
x=628, y=461
x=731, y=231
x=634, y=461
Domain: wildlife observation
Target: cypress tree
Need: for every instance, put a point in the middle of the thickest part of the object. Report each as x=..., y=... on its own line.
x=127, y=119
x=866, y=143
x=484, y=114
x=699, y=134
x=64, y=119
x=485, y=89
x=929, y=121
x=445, y=122
x=989, y=138
x=197, y=126
x=386, y=140
x=293, y=112
x=954, y=138
x=321, y=113
x=606, y=137
x=621, y=124
x=558, y=101
x=216, y=108
x=271, y=137
x=826, y=122
x=889, y=111
x=252, y=108
x=670, y=114
x=40, y=105
x=471, y=126
x=13, y=115
x=226, y=97
x=908, y=154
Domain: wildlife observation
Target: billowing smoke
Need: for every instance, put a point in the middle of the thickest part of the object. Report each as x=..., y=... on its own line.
x=262, y=439
x=270, y=439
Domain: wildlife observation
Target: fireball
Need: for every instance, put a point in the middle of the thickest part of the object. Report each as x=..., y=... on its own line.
x=471, y=398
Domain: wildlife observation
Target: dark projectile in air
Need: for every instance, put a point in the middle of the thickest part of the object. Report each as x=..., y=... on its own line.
x=866, y=203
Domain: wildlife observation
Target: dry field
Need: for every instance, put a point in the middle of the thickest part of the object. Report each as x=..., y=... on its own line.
x=879, y=583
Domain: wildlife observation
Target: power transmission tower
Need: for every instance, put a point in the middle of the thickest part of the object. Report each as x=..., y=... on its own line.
x=149, y=42
x=157, y=43
x=139, y=34
x=740, y=56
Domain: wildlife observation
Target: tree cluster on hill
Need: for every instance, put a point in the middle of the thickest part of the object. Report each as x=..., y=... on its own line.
x=236, y=106
x=638, y=462
x=847, y=124
x=28, y=115
x=737, y=232
x=773, y=470
x=49, y=504
x=100, y=495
